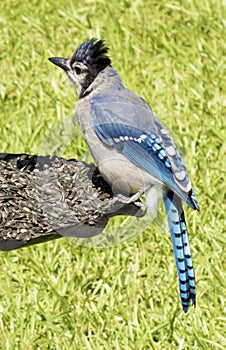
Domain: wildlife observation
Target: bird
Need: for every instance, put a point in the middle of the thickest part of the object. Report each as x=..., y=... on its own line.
x=133, y=151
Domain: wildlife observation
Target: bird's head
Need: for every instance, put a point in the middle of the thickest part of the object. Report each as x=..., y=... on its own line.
x=87, y=61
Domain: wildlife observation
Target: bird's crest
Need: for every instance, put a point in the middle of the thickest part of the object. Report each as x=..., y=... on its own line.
x=92, y=52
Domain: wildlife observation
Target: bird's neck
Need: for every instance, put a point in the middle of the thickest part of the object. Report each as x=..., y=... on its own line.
x=107, y=79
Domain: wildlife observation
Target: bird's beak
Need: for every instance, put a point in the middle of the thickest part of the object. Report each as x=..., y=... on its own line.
x=60, y=62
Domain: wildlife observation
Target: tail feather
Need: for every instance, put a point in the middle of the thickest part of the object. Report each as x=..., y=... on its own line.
x=182, y=253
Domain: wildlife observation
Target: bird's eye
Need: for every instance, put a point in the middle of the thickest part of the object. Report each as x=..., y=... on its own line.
x=78, y=70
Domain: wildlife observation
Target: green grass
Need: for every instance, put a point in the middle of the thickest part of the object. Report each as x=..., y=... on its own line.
x=61, y=295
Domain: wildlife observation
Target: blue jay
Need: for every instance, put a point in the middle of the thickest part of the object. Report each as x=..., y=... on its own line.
x=133, y=151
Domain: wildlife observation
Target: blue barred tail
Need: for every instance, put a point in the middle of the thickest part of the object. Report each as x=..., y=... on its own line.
x=181, y=248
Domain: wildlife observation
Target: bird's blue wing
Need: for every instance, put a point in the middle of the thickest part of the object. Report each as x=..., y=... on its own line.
x=127, y=123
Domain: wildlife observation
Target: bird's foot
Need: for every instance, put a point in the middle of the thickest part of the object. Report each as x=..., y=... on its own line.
x=123, y=205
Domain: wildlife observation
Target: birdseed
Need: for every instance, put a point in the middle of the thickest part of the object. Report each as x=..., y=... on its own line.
x=43, y=196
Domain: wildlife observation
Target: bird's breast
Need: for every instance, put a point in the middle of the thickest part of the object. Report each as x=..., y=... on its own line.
x=118, y=171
